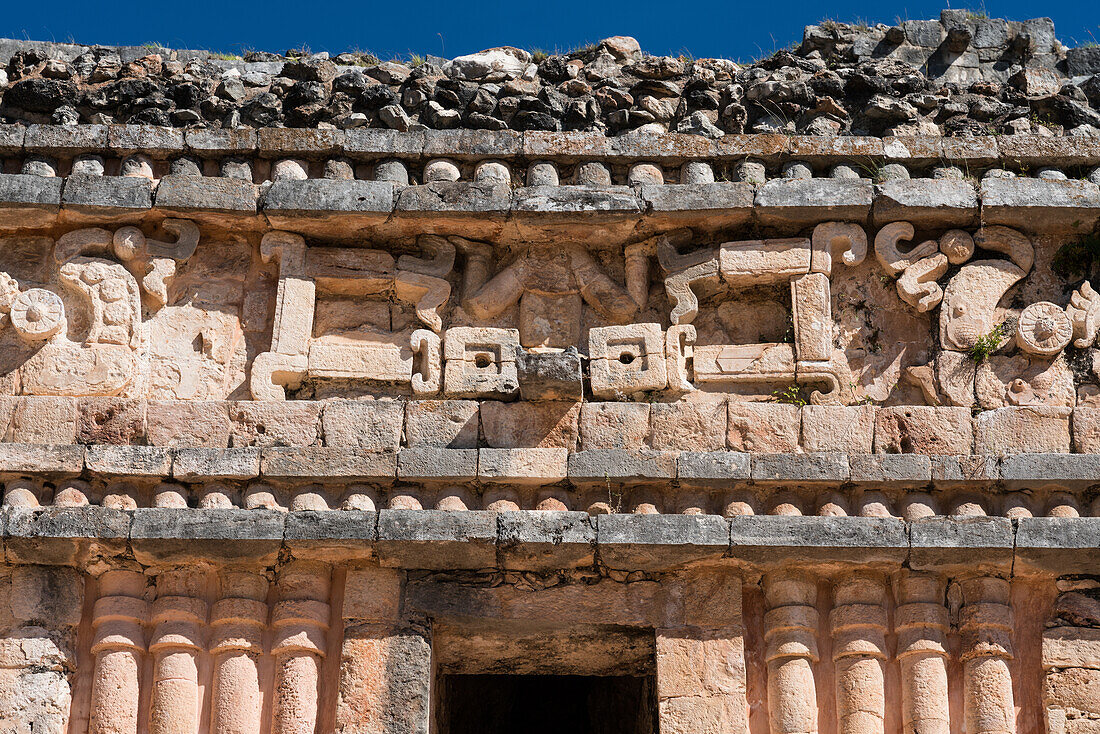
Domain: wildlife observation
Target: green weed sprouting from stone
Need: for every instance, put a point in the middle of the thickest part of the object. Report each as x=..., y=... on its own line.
x=987, y=344
x=789, y=395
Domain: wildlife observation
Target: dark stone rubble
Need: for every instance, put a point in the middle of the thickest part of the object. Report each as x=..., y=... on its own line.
x=961, y=75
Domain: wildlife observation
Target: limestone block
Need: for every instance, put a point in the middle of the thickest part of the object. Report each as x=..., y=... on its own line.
x=373, y=425
x=522, y=466
x=328, y=462
x=216, y=463
x=712, y=467
x=293, y=423
x=195, y=423
x=372, y=595
x=437, y=539
x=1022, y=430
x=842, y=428
x=550, y=375
x=536, y=539
x=656, y=542
x=435, y=464
x=480, y=362
x=621, y=465
x=333, y=537
x=181, y=193
x=1086, y=429
x=65, y=536
x=110, y=420
x=1071, y=647
x=893, y=468
x=176, y=535
x=29, y=200
x=613, y=425
x=137, y=461
x=626, y=360
x=451, y=424
x=50, y=596
x=1077, y=688
x=44, y=420
x=530, y=425
x=700, y=662
x=917, y=429
x=700, y=426
x=22, y=458
x=792, y=468
x=385, y=680
x=763, y=428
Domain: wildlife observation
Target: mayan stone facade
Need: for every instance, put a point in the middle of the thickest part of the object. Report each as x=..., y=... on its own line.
x=603, y=393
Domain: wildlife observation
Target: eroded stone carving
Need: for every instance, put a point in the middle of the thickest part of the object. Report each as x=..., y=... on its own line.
x=334, y=317
x=550, y=283
x=88, y=318
x=804, y=263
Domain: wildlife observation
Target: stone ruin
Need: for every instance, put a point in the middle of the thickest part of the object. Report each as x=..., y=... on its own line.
x=657, y=424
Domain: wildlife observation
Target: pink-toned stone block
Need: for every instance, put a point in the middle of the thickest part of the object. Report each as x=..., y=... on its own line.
x=701, y=426
x=614, y=425
x=291, y=423
x=763, y=428
x=923, y=429
x=199, y=423
x=550, y=425
x=848, y=429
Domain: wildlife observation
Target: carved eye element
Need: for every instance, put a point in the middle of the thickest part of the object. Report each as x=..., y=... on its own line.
x=960, y=309
x=37, y=314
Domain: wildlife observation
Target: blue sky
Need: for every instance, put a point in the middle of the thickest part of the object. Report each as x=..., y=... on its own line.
x=731, y=29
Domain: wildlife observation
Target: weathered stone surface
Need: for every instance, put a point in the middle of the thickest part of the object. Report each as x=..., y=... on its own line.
x=537, y=540
x=770, y=538
x=530, y=425
x=893, y=468
x=837, y=428
x=274, y=424
x=975, y=542
x=327, y=462
x=208, y=463
x=786, y=468
x=698, y=425
x=372, y=425
x=170, y=534
x=618, y=465
x=614, y=425
x=199, y=423
x=451, y=424
x=712, y=467
x=763, y=428
x=436, y=539
x=923, y=430
x=110, y=420
x=147, y=461
x=630, y=542
x=1022, y=430
x=436, y=464
x=64, y=535
x=522, y=466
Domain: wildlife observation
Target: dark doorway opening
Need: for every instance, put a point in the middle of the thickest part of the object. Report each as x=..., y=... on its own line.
x=547, y=704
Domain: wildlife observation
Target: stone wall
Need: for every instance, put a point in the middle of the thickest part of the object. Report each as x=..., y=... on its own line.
x=800, y=430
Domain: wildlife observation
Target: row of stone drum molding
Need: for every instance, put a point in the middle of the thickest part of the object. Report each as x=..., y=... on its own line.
x=910, y=503
x=540, y=172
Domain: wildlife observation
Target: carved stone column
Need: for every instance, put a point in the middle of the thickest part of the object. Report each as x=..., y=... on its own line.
x=859, y=653
x=178, y=637
x=921, y=624
x=300, y=620
x=237, y=622
x=790, y=626
x=118, y=645
x=985, y=625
